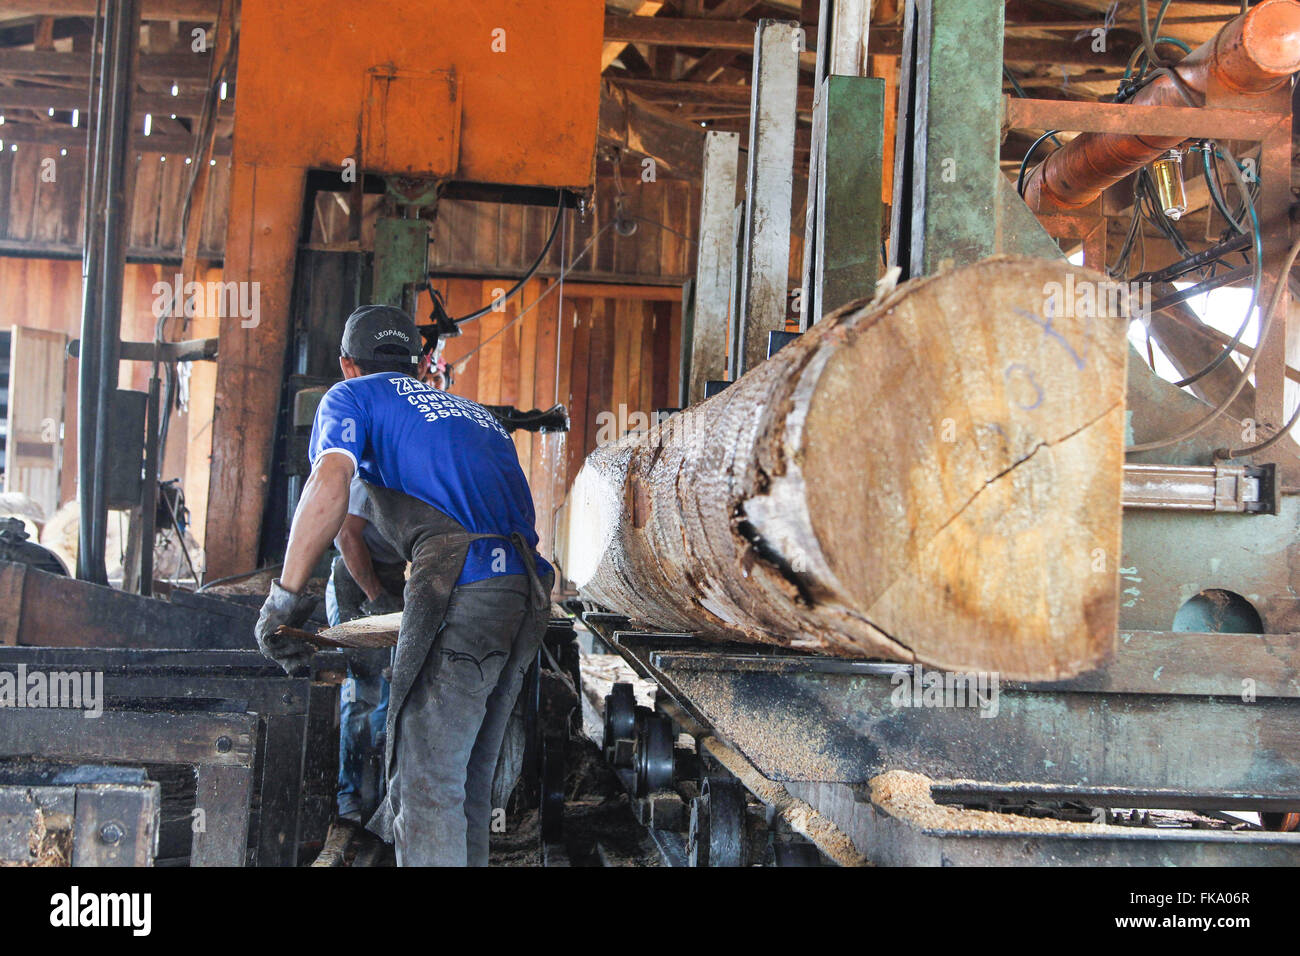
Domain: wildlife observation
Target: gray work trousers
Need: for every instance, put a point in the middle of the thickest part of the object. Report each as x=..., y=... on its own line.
x=453, y=721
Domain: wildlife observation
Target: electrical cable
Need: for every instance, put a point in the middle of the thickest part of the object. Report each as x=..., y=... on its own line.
x=459, y=363
x=1216, y=192
x=1274, y=302
x=1161, y=221
x=1126, y=250
x=1149, y=46
x=532, y=271
x=1024, y=163
x=1257, y=278
x=1227, y=400
x=562, y=276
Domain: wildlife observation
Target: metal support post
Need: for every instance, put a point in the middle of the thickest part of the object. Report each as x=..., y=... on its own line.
x=765, y=267
x=714, y=262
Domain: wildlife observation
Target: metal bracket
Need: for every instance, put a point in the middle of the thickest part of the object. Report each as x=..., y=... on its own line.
x=1244, y=489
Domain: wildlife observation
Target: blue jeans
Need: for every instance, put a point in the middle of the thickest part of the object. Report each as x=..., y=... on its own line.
x=363, y=701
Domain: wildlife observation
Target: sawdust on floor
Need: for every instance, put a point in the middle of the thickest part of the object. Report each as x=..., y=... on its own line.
x=47, y=846
x=906, y=795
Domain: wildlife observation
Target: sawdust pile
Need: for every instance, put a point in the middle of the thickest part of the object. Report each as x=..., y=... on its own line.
x=47, y=846
x=906, y=796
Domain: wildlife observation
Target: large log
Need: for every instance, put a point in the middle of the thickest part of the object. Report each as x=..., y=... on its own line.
x=932, y=478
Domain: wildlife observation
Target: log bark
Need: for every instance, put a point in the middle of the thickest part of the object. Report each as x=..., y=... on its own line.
x=932, y=478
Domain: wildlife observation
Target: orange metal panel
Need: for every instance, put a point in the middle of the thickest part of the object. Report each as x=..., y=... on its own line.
x=526, y=86
x=412, y=122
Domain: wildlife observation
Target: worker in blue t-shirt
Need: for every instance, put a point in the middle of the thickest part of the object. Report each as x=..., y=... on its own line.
x=444, y=487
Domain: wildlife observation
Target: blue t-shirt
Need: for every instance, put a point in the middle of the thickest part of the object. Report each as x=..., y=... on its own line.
x=445, y=450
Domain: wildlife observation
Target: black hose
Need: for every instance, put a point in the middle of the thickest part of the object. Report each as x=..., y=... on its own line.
x=1258, y=276
x=1020, y=178
x=532, y=271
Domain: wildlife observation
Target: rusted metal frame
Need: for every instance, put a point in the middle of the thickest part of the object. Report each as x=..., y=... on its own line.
x=1186, y=121
x=1176, y=687
x=1281, y=347
x=221, y=745
x=1266, y=121
x=1174, y=672
x=1087, y=227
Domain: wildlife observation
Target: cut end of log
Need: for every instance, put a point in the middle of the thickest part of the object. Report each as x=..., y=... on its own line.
x=934, y=477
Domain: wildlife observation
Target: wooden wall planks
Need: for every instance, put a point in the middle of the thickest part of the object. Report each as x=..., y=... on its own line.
x=608, y=353
x=486, y=239
x=46, y=294
x=41, y=194
x=617, y=347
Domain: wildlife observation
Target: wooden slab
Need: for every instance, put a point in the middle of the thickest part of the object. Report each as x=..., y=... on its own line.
x=366, y=632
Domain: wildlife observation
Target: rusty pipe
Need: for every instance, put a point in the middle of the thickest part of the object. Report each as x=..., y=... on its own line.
x=1252, y=55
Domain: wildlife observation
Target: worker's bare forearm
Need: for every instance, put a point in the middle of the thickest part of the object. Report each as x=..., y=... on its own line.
x=320, y=514
x=352, y=544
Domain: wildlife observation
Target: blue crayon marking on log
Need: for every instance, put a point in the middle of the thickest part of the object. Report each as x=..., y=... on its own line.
x=1046, y=326
x=1029, y=374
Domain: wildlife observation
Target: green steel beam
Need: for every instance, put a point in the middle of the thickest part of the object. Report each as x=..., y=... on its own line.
x=958, y=78
x=401, y=258
x=849, y=206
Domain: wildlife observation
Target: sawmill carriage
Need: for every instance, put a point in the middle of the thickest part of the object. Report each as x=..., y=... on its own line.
x=915, y=559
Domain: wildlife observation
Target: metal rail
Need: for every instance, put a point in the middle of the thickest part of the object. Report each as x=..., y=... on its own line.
x=1137, y=733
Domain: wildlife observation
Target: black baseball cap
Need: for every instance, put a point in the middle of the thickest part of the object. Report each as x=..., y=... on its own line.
x=371, y=327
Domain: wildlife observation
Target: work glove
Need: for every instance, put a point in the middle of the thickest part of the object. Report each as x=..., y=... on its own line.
x=284, y=607
x=386, y=603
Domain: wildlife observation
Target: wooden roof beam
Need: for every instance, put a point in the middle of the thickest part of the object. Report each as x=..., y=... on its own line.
x=711, y=93
x=196, y=10
x=43, y=98
x=633, y=125
x=664, y=31
x=70, y=137
x=162, y=66
x=614, y=48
